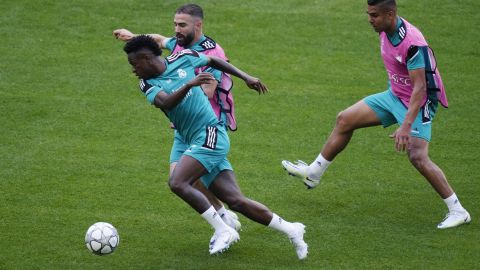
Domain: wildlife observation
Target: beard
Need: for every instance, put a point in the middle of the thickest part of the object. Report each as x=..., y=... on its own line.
x=184, y=40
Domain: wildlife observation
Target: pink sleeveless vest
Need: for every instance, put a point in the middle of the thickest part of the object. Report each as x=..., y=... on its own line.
x=223, y=101
x=395, y=60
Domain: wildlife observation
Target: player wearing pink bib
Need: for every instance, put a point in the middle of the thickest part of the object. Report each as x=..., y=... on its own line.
x=411, y=100
x=397, y=56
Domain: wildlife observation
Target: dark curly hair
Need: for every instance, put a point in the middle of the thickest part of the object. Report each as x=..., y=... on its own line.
x=142, y=41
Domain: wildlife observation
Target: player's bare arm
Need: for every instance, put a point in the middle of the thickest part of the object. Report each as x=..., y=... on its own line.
x=402, y=134
x=125, y=35
x=222, y=65
x=168, y=101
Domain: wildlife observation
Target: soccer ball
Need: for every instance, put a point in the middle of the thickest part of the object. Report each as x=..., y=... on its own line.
x=102, y=238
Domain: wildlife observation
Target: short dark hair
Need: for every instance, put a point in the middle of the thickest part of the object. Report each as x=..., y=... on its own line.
x=142, y=41
x=384, y=4
x=193, y=10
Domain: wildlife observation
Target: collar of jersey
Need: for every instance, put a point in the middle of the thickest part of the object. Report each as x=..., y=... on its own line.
x=395, y=38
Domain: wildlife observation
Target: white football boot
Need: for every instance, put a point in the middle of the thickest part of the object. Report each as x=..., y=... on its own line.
x=454, y=219
x=232, y=214
x=231, y=220
x=222, y=240
x=296, y=238
x=300, y=170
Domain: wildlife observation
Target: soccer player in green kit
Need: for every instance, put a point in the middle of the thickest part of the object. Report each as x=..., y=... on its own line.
x=171, y=85
x=188, y=27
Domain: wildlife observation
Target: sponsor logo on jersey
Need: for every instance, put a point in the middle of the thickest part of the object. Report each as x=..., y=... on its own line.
x=399, y=80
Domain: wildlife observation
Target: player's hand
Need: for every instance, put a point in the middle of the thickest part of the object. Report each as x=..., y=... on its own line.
x=202, y=78
x=402, y=138
x=123, y=34
x=256, y=84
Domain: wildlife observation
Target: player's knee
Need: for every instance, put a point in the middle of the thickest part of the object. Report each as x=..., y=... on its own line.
x=418, y=158
x=343, y=122
x=175, y=185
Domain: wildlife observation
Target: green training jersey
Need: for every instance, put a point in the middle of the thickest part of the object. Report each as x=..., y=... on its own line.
x=194, y=112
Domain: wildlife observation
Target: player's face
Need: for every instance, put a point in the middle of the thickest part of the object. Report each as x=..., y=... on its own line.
x=142, y=66
x=379, y=19
x=184, y=29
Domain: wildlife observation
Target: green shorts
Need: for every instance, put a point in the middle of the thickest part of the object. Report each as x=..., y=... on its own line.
x=210, y=148
x=391, y=110
x=178, y=148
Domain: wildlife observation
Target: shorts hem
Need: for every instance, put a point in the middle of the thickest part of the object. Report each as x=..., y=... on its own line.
x=384, y=124
x=421, y=137
x=208, y=183
x=209, y=170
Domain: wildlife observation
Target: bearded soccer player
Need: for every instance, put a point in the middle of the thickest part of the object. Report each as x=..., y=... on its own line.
x=411, y=100
x=188, y=26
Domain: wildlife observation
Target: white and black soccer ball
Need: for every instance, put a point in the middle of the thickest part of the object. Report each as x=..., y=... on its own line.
x=102, y=238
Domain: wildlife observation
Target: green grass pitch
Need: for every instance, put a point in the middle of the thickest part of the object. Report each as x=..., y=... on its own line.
x=79, y=144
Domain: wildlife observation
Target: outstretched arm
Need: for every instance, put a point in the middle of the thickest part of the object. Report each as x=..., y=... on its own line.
x=126, y=35
x=222, y=65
